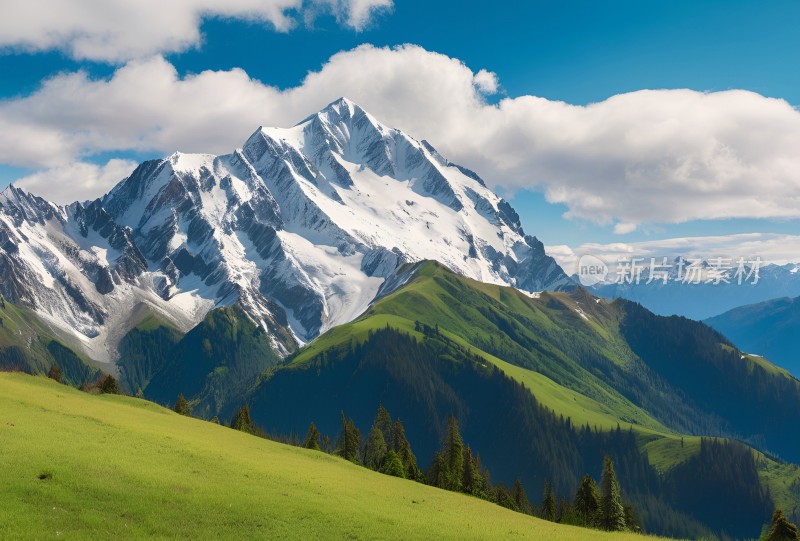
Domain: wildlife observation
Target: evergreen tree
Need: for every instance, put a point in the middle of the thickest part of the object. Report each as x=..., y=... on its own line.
x=214, y=420
x=242, y=421
x=504, y=498
x=520, y=498
x=312, y=438
x=375, y=450
x=587, y=503
x=349, y=440
x=401, y=446
x=392, y=465
x=454, y=456
x=181, y=405
x=108, y=385
x=631, y=519
x=437, y=473
x=566, y=513
x=55, y=374
x=781, y=529
x=473, y=480
x=488, y=491
x=612, y=513
x=548, y=511
x=139, y=393
x=384, y=423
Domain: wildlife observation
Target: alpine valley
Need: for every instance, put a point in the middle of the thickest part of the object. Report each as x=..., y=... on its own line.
x=327, y=269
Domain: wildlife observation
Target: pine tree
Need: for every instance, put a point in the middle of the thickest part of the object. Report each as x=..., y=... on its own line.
x=566, y=513
x=503, y=497
x=488, y=491
x=384, y=423
x=472, y=482
x=548, y=511
x=612, y=513
x=781, y=529
x=214, y=420
x=181, y=405
x=108, y=385
x=402, y=447
x=242, y=421
x=521, y=499
x=392, y=465
x=55, y=374
x=312, y=438
x=437, y=473
x=375, y=450
x=454, y=456
x=631, y=519
x=349, y=440
x=587, y=503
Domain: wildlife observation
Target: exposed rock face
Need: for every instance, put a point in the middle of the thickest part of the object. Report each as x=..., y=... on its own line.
x=301, y=226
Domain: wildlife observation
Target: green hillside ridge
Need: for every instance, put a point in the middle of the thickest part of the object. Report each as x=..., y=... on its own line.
x=574, y=393
x=30, y=345
x=80, y=466
x=551, y=321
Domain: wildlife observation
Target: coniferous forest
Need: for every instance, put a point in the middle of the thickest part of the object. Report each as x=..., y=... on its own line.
x=501, y=432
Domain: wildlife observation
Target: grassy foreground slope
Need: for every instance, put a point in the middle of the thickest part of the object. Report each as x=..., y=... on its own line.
x=79, y=466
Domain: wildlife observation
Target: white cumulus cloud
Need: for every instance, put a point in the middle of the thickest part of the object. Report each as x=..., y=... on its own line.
x=652, y=156
x=77, y=181
x=118, y=30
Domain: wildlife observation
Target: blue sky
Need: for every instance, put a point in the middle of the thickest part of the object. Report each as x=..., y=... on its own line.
x=577, y=52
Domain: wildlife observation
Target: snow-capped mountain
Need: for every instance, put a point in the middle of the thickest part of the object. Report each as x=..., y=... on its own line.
x=302, y=226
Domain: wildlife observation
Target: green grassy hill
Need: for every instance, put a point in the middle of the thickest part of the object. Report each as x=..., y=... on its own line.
x=80, y=466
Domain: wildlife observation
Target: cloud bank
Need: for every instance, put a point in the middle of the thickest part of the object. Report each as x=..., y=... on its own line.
x=772, y=248
x=119, y=30
x=652, y=156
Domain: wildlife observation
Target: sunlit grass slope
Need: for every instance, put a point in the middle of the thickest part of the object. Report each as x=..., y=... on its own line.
x=80, y=466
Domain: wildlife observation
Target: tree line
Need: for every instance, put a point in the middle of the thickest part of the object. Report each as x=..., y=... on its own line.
x=457, y=468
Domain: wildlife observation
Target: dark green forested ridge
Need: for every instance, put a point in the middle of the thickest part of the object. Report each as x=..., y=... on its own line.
x=211, y=365
x=428, y=376
x=455, y=468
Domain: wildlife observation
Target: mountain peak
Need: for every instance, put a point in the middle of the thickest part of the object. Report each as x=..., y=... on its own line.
x=342, y=104
x=302, y=227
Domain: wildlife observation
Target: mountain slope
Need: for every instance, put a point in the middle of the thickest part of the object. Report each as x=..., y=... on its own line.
x=647, y=370
x=193, y=479
x=300, y=227
x=30, y=345
x=444, y=344
x=769, y=329
x=213, y=365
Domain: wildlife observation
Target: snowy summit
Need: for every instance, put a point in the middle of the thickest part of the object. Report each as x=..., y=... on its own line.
x=301, y=226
